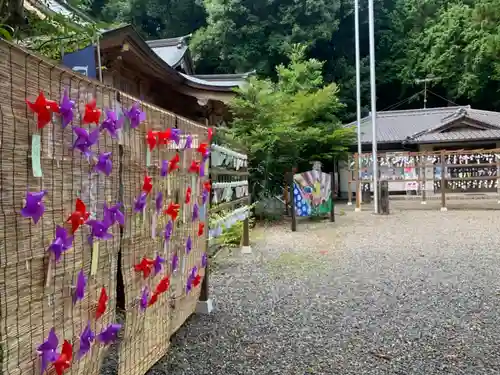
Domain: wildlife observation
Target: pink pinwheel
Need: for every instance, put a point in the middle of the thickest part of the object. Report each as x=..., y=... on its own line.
x=196, y=212
x=168, y=230
x=135, y=115
x=81, y=283
x=189, y=245
x=86, y=339
x=140, y=202
x=112, y=123
x=158, y=264
x=99, y=229
x=61, y=243
x=66, y=108
x=85, y=140
x=34, y=207
x=109, y=334
x=164, y=168
x=47, y=350
x=113, y=214
x=159, y=201
x=104, y=163
x=189, y=141
x=144, y=298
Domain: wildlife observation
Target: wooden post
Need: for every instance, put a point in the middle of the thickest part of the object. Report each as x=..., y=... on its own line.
x=349, y=189
x=246, y=248
x=358, y=182
x=332, y=209
x=423, y=167
x=292, y=201
x=384, y=197
x=443, y=182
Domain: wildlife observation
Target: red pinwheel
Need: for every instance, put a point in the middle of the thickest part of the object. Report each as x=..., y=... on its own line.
x=164, y=137
x=201, y=227
x=152, y=139
x=43, y=109
x=92, y=113
x=210, y=134
x=203, y=148
x=172, y=210
x=207, y=186
x=188, y=195
x=174, y=163
x=64, y=361
x=195, y=167
x=196, y=280
x=79, y=216
x=147, y=186
x=162, y=287
x=145, y=266
x=101, y=305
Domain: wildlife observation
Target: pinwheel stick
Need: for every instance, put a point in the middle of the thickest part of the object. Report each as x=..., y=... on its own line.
x=153, y=225
x=50, y=268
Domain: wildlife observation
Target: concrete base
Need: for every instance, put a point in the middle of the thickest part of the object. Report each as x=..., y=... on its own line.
x=246, y=249
x=349, y=203
x=205, y=307
x=423, y=202
x=357, y=209
x=444, y=209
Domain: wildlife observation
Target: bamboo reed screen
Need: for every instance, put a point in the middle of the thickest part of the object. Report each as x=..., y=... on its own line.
x=29, y=308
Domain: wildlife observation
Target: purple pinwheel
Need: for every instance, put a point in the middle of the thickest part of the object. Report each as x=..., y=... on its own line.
x=99, y=229
x=168, y=230
x=61, y=243
x=159, y=201
x=109, y=334
x=85, y=140
x=135, y=115
x=140, y=202
x=204, y=260
x=113, y=214
x=194, y=271
x=86, y=339
x=196, y=212
x=204, y=197
x=81, y=283
x=66, y=108
x=34, y=207
x=48, y=350
x=189, y=283
x=189, y=141
x=112, y=123
x=175, y=262
x=175, y=135
x=158, y=264
x=144, y=298
x=104, y=163
x=189, y=245
x=164, y=168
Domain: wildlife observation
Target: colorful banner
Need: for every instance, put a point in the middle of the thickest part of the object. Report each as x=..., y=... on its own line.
x=312, y=193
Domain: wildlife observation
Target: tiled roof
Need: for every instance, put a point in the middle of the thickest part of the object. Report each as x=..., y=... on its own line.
x=399, y=126
x=171, y=50
x=458, y=136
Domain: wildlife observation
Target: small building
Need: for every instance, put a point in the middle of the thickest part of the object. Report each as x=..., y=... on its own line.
x=405, y=132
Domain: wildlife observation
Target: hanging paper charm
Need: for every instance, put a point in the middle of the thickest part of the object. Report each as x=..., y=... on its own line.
x=66, y=108
x=135, y=115
x=61, y=243
x=104, y=163
x=34, y=207
x=112, y=123
x=43, y=109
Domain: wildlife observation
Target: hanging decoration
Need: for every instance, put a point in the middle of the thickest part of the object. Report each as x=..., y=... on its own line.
x=85, y=140
x=63, y=362
x=47, y=350
x=143, y=303
x=223, y=157
x=104, y=163
x=112, y=124
x=61, y=243
x=86, y=339
x=113, y=214
x=228, y=221
x=43, y=109
x=101, y=304
x=158, y=264
x=201, y=227
x=161, y=288
x=140, y=202
x=34, y=207
x=147, y=186
x=224, y=191
x=79, y=216
x=172, y=210
x=174, y=163
x=135, y=115
x=145, y=266
x=109, y=334
x=66, y=109
x=81, y=283
x=164, y=168
x=92, y=114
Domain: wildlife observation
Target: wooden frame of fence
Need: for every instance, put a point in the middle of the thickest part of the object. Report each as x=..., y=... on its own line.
x=445, y=160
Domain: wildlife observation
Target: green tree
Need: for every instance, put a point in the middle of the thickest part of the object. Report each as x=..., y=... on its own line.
x=291, y=121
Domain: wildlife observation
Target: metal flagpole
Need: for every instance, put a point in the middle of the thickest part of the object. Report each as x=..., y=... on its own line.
x=358, y=101
x=373, y=90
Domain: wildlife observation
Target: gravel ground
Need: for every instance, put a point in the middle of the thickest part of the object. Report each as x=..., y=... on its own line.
x=416, y=292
